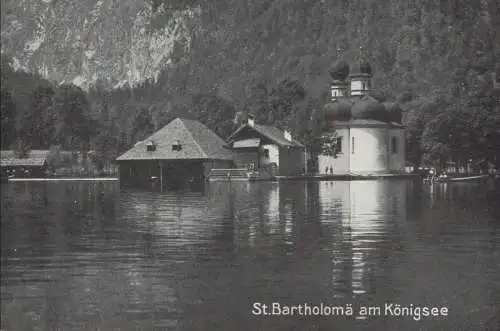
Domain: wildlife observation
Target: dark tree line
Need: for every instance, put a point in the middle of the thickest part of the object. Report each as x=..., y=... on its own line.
x=47, y=116
x=458, y=122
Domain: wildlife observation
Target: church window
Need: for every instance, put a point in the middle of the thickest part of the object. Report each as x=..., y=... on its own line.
x=394, y=145
x=338, y=144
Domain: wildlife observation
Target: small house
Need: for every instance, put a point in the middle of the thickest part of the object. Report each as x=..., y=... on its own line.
x=266, y=148
x=181, y=153
x=33, y=163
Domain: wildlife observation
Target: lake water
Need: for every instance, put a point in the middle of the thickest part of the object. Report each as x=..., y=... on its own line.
x=94, y=256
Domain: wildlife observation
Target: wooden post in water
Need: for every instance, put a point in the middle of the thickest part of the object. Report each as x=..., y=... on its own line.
x=161, y=176
x=150, y=176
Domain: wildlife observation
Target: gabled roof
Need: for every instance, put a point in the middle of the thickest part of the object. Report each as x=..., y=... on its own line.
x=270, y=132
x=10, y=158
x=196, y=140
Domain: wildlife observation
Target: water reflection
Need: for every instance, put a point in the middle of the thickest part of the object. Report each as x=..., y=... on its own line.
x=361, y=210
x=88, y=256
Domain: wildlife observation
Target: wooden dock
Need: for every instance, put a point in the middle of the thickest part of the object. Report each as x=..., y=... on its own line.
x=235, y=175
x=244, y=175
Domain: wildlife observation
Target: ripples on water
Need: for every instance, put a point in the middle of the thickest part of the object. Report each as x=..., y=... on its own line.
x=92, y=256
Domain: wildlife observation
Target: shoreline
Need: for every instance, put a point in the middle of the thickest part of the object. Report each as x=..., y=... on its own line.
x=338, y=177
x=52, y=179
x=344, y=177
x=335, y=177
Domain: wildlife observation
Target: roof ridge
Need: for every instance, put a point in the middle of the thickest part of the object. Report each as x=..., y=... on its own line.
x=195, y=142
x=237, y=131
x=262, y=130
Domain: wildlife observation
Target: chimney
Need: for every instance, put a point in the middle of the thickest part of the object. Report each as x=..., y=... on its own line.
x=287, y=135
x=251, y=120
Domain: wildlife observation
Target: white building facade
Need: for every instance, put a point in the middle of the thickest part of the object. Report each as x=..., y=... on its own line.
x=366, y=147
x=370, y=138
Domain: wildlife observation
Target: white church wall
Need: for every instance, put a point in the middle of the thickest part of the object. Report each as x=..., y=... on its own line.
x=370, y=150
x=397, y=159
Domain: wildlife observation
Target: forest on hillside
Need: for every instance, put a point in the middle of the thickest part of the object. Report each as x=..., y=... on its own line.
x=439, y=59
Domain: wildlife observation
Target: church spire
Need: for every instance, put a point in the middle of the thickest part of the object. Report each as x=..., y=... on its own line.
x=361, y=76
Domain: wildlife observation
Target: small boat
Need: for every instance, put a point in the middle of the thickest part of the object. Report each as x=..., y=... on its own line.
x=446, y=179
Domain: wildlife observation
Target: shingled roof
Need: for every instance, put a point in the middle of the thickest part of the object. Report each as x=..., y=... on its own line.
x=33, y=158
x=197, y=143
x=270, y=132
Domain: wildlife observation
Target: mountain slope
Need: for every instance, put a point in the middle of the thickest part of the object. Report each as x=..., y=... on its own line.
x=230, y=45
x=87, y=41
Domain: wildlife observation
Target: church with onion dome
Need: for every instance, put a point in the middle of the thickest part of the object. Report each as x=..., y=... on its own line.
x=367, y=134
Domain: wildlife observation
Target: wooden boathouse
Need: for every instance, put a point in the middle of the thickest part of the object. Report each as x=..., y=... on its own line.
x=179, y=155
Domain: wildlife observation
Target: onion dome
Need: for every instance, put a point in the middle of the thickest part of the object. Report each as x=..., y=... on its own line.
x=394, y=112
x=379, y=96
x=339, y=71
x=339, y=110
x=369, y=108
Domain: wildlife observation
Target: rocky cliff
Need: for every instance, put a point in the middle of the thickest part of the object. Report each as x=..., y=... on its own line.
x=114, y=42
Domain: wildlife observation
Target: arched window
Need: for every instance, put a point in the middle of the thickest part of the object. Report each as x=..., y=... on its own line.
x=338, y=145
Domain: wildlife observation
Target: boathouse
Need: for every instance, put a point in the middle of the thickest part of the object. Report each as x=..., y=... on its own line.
x=265, y=148
x=368, y=135
x=180, y=154
x=33, y=163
